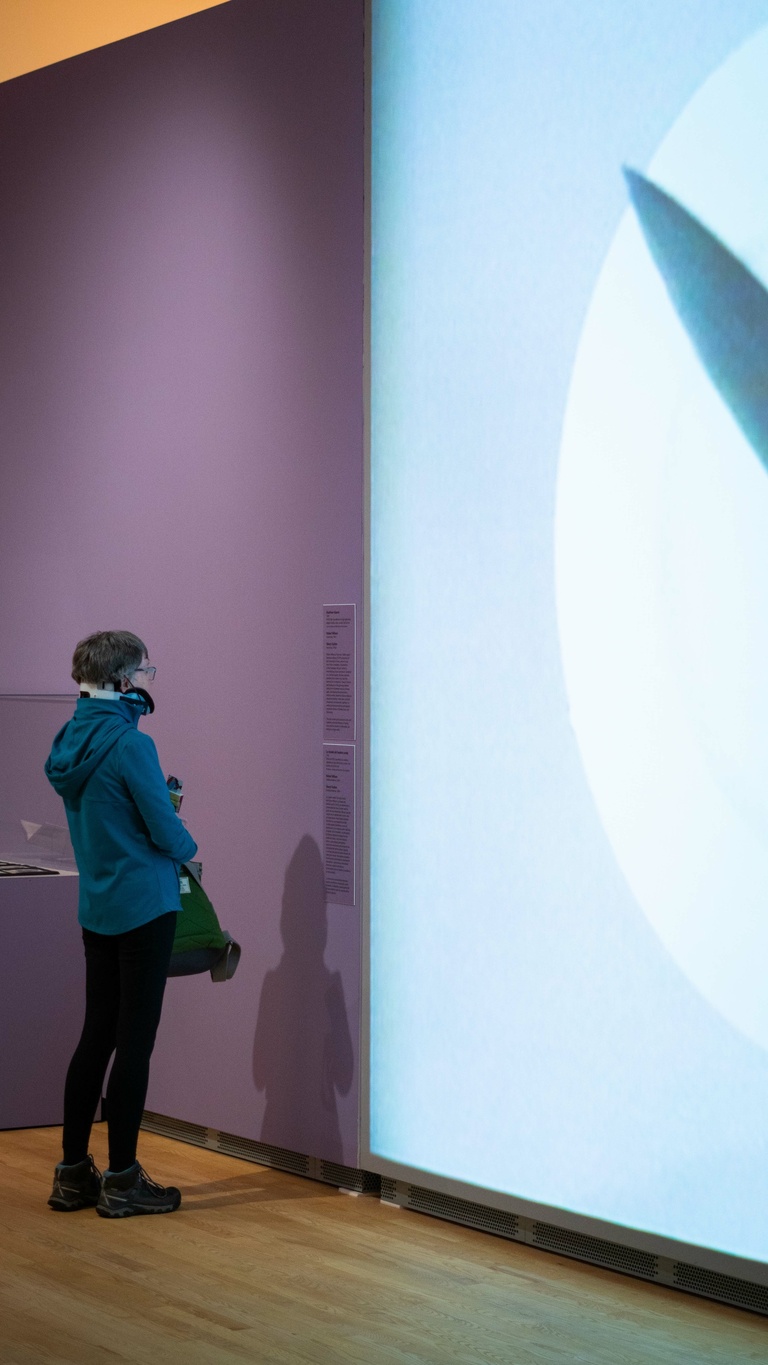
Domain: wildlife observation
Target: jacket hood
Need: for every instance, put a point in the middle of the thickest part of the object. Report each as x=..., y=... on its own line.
x=82, y=744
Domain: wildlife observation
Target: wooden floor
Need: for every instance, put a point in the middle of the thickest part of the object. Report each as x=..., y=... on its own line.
x=262, y=1266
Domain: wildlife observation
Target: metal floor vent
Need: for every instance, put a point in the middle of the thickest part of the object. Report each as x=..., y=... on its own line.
x=727, y=1288
x=463, y=1211
x=264, y=1154
x=350, y=1178
x=586, y=1248
x=175, y=1128
x=389, y=1190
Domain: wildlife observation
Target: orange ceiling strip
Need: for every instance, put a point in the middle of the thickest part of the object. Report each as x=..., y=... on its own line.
x=35, y=33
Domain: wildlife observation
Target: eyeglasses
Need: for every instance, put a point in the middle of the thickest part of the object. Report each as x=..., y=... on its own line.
x=150, y=671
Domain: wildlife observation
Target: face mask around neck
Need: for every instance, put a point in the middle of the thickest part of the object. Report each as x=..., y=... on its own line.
x=139, y=696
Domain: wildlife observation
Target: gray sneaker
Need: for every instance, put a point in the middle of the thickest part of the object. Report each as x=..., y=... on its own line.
x=75, y=1187
x=126, y=1193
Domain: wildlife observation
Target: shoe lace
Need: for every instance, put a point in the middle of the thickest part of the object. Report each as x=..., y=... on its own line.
x=150, y=1184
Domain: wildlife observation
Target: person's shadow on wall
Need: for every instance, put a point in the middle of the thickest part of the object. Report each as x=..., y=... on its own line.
x=302, y=1053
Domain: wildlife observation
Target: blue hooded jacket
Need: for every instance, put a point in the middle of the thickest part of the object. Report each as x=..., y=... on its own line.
x=128, y=840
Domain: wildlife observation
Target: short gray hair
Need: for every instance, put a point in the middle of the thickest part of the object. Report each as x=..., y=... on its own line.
x=107, y=656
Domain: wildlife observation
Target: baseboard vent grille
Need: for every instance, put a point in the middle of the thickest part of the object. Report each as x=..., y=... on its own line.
x=463, y=1211
x=595, y=1249
x=264, y=1153
x=727, y=1288
x=175, y=1128
x=349, y=1178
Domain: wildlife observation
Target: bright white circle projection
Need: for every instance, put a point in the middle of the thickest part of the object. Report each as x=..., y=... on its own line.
x=662, y=570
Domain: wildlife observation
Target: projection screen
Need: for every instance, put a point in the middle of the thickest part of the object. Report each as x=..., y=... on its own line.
x=568, y=613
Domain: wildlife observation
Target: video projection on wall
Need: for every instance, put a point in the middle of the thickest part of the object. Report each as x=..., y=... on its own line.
x=569, y=608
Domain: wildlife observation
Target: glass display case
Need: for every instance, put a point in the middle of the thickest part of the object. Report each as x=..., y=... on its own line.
x=34, y=838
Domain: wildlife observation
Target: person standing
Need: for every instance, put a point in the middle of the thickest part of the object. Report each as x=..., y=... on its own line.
x=128, y=843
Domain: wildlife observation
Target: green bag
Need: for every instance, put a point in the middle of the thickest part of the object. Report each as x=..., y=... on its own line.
x=201, y=945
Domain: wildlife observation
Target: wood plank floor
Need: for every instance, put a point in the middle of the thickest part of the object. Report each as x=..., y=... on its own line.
x=262, y=1266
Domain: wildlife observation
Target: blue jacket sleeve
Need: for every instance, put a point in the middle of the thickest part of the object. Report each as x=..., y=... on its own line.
x=140, y=766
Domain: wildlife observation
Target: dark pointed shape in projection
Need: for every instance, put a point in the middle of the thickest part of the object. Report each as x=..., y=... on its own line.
x=722, y=305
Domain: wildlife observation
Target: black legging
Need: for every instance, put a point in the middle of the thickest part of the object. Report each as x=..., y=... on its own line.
x=125, y=977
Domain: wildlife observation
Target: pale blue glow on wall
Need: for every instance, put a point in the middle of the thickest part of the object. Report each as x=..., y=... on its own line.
x=534, y=1030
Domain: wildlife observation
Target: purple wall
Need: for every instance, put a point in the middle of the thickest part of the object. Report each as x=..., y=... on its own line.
x=181, y=311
